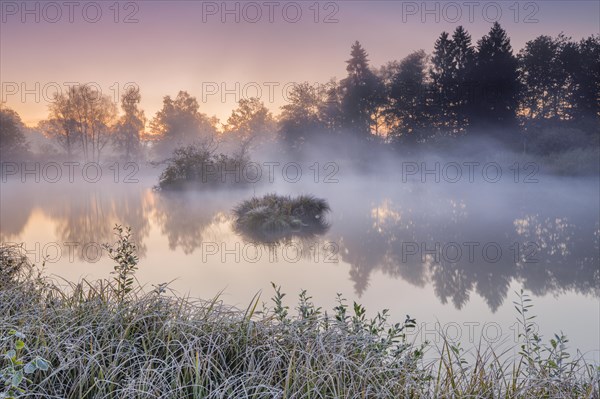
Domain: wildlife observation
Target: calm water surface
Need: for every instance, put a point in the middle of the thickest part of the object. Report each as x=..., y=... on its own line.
x=443, y=253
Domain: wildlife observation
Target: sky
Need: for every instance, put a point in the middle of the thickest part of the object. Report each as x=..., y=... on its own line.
x=221, y=52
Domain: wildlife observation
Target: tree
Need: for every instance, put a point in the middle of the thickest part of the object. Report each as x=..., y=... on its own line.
x=63, y=132
x=130, y=127
x=180, y=123
x=300, y=118
x=408, y=98
x=442, y=83
x=545, y=69
x=383, y=121
x=12, y=140
x=462, y=85
x=362, y=93
x=496, y=82
x=83, y=115
x=251, y=121
x=451, y=73
x=587, y=81
x=330, y=110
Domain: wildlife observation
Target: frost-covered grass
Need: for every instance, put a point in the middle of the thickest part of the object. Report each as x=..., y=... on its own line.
x=112, y=339
x=275, y=217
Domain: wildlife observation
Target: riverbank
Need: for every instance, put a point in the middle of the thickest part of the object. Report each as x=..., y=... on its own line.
x=112, y=338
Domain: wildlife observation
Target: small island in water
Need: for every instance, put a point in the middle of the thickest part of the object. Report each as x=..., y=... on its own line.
x=275, y=217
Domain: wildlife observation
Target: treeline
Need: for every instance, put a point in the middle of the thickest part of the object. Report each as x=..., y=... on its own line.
x=461, y=89
x=544, y=99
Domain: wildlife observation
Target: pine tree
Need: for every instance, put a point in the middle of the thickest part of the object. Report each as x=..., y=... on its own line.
x=497, y=82
x=441, y=74
x=362, y=92
x=462, y=86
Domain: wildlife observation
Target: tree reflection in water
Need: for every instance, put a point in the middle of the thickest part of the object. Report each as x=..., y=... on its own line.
x=373, y=233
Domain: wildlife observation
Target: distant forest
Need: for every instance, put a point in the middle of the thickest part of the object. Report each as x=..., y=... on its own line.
x=543, y=99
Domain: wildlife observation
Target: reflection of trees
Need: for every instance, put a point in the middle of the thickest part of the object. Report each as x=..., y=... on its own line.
x=371, y=234
x=83, y=215
x=564, y=257
x=185, y=218
x=89, y=217
x=567, y=251
x=14, y=218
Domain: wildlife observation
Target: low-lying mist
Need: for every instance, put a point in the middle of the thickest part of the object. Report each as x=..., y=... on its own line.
x=470, y=218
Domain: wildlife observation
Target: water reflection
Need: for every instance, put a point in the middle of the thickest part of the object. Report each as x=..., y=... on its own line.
x=473, y=250
x=80, y=216
x=447, y=240
x=186, y=219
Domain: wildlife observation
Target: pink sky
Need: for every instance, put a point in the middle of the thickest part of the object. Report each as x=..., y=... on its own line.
x=185, y=45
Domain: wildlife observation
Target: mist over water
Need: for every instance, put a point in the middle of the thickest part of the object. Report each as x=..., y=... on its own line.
x=446, y=239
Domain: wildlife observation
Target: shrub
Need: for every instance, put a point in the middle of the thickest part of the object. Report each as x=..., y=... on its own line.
x=193, y=166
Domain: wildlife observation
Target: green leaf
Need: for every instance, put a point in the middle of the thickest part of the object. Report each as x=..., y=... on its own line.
x=30, y=368
x=19, y=345
x=42, y=364
x=17, y=378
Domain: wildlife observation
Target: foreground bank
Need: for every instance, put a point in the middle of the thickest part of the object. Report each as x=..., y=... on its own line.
x=113, y=339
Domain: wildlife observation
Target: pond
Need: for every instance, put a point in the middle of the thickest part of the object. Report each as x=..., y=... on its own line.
x=449, y=255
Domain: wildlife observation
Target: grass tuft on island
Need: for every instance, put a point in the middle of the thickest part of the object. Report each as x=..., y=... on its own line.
x=112, y=339
x=275, y=217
